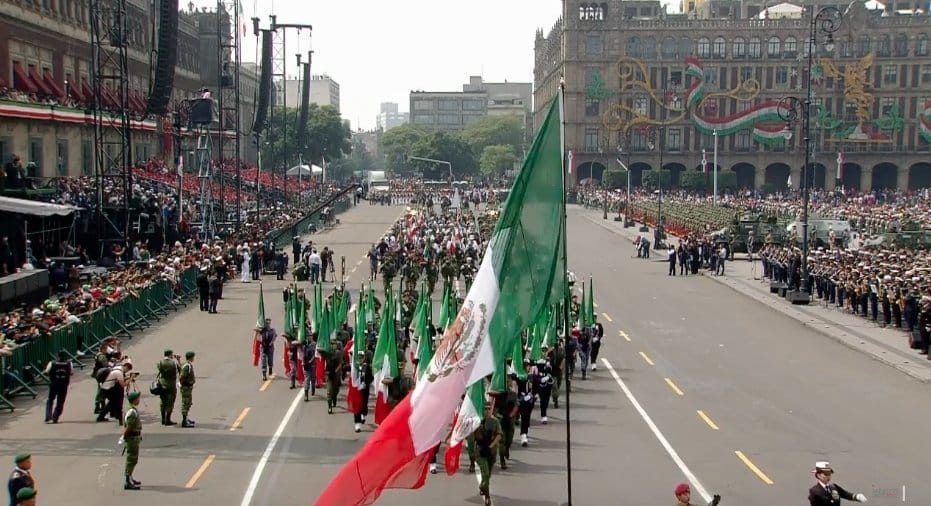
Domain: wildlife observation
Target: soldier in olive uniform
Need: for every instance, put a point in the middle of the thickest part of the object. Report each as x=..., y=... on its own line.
x=487, y=439
x=132, y=436
x=20, y=478
x=187, y=380
x=334, y=372
x=168, y=368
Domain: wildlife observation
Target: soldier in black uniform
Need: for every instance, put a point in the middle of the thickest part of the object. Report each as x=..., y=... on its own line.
x=59, y=373
x=825, y=493
x=365, y=371
x=20, y=478
x=203, y=289
x=506, y=410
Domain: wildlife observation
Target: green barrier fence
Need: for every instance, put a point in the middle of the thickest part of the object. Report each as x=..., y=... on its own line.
x=282, y=237
x=22, y=371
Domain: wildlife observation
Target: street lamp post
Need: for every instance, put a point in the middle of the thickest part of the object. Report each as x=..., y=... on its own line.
x=714, y=161
x=827, y=21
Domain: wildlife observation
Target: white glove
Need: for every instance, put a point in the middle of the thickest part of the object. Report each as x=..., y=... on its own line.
x=121, y=442
x=860, y=498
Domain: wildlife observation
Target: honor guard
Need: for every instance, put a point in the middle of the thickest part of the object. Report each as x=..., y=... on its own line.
x=506, y=407
x=825, y=493
x=487, y=438
x=21, y=477
x=684, y=494
x=132, y=436
x=334, y=372
x=26, y=497
x=187, y=380
x=367, y=375
x=267, y=346
x=543, y=383
x=167, y=369
x=310, y=367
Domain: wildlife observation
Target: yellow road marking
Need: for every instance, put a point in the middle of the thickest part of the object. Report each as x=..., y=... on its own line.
x=266, y=383
x=645, y=357
x=707, y=420
x=624, y=335
x=200, y=471
x=673, y=386
x=756, y=470
x=239, y=419
x=607, y=317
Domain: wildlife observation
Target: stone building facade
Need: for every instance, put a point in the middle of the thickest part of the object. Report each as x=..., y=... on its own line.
x=643, y=86
x=52, y=39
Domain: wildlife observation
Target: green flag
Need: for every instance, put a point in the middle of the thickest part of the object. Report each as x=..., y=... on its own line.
x=517, y=359
x=260, y=317
x=370, y=306
x=444, y=308
x=302, y=322
x=589, y=303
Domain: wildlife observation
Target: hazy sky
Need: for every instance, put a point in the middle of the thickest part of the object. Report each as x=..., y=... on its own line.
x=378, y=50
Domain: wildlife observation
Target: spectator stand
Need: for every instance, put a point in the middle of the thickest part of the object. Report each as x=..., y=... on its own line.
x=123, y=316
x=312, y=221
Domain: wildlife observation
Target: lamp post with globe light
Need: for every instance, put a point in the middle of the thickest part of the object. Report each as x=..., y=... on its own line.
x=826, y=21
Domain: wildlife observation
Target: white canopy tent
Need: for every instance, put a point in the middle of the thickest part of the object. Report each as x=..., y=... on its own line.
x=783, y=10
x=34, y=208
x=305, y=170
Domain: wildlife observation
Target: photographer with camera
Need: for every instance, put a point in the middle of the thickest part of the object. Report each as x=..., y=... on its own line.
x=487, y=438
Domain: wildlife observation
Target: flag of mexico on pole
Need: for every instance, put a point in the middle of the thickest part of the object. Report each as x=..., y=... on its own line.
x=522, y=272
x=259, y=325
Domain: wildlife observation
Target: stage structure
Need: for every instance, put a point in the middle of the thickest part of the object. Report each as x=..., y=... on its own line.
x=112, y=117
x=280, y=77
x=229, y=61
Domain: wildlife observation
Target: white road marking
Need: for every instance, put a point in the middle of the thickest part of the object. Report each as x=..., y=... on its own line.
x=254, y=482
x=659, y=435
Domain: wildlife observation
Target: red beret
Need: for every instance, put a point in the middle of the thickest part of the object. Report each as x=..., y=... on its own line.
x=682, y=488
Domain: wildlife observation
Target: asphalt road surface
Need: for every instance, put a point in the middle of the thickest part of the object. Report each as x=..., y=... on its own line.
x=710, y=388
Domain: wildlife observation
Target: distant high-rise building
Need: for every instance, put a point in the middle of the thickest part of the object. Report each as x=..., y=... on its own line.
x=389, y=117
x=453, y=110
x=323, y=91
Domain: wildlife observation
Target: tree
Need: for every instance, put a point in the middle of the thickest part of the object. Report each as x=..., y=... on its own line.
x=495, y=131
x=397, y=145
x=496, y=159
x=446, y=147
x=325, y=136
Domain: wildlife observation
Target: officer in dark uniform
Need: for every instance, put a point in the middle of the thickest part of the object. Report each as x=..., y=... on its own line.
x=310, y=367
x=203, y=289
x=825, y=493
x=59, y=373
x=365, y=371
x=506, y=404
x=598, y=333
x=20, y=478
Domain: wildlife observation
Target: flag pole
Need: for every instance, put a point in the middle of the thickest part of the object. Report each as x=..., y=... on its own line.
x=565, y=277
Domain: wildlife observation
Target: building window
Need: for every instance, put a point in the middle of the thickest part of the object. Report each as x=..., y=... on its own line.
x=782, y=75
x=641, y=105
x=472, y=105
x=921, y=45
x=711, y=75
x=62, y=162
x=669, y=48
x=448, y=105
x=649, y=48
x=87, y=158
x=592, y=106
x=774, y=47
x=593, y=46
x=450, y=119
x=704, y=48
x=423, y=105
x=790, y=47
x=634, y=47
x=754, y=49
x=742, y=140
x=720, y=47
x=592, y=12
x=591, y=139
x=5, y=146
x=882, y=46
x=740, y=47
x=746, y=73
x=890, y=74
x=424, y=119
x=685, y=47
x=901, y=45
x=863, y=46
x=35, y=155
x=674, y=139
x=926, y=73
